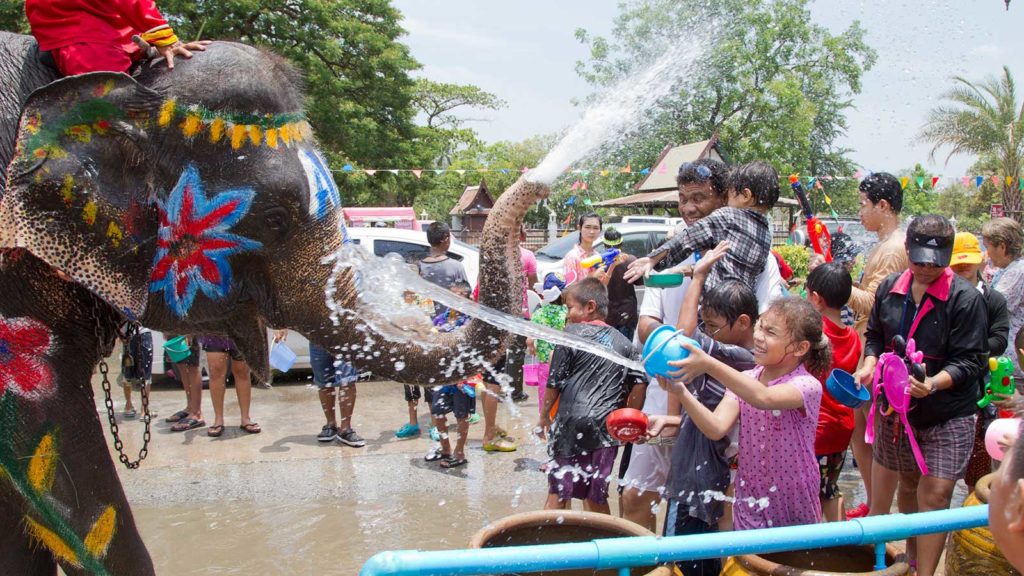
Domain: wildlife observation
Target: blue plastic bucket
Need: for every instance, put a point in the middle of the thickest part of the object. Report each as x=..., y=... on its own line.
x=281, y=357
x=841, y=385
x=177, y=349
x=662, y=346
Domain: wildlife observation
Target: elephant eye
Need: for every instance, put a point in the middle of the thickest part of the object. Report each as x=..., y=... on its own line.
x=276, y=219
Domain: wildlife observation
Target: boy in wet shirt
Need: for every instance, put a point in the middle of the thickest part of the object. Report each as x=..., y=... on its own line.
x=587, y=388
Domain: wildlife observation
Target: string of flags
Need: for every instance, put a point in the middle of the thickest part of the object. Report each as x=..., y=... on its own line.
x=579, y=182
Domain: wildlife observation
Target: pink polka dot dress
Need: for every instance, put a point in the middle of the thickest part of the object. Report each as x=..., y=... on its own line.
x=777, y=480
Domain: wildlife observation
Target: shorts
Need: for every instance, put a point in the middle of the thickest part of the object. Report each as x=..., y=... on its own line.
x=584, y=477
x=946, y=447
x=648, y=468
x=679, y=523
x=193, y=348
x=412, y=393
x=329, y=372
x=830, y=465
x=449, y=399
x=99, y=57
x=137, y=358
x=222, y=345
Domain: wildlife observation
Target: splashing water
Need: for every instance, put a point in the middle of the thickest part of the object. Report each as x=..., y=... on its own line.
x=386, y=310
x=622, y=105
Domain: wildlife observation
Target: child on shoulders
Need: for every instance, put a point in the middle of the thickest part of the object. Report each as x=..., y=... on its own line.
x=776, y=405
x=828, y=289
x=587, y=388
x=743, y=223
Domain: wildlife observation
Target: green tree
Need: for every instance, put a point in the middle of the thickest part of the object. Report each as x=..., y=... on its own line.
x=983, y=119
x=919, y=196
x=12, y=16
x=773, y=85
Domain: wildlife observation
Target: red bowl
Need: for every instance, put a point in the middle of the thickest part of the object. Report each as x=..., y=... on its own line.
x=627, y=424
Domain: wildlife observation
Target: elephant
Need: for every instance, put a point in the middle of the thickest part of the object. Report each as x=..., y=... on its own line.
x=191, y=200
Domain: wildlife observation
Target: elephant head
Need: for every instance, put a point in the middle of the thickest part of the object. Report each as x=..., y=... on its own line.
x=195, y=200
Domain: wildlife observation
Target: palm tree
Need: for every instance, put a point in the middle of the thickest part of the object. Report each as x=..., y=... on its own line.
x=983, y=119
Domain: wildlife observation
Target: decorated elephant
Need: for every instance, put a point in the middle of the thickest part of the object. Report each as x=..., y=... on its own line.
x=191, y=200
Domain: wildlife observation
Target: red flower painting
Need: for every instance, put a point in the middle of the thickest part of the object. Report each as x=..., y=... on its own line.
x=24, y=368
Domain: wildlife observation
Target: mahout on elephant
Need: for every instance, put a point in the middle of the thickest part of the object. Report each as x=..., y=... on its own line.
x=190, y=201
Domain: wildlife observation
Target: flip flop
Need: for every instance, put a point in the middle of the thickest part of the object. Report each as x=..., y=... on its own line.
x=215, y=431
x=436, y=455
x=251, y=428
x=177, y=416
x=452, y=462
x=187, y=424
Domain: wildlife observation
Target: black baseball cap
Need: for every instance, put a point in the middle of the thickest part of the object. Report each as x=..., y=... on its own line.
x=926, y=249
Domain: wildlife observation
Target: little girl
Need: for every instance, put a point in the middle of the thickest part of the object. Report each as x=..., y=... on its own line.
x=777, y=404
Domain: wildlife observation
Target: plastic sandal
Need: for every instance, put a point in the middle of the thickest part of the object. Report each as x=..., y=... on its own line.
x=449, y=463
x=436, y=455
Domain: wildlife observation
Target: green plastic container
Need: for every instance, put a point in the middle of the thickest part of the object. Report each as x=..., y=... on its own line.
x=177, y=349
x=664, y=280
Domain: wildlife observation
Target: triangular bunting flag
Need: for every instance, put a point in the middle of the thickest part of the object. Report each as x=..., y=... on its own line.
x=460, y=172
x=903, y=182
x=370, y=172
x=662, y=168
x=995, y=180
x=811, y=181
x=858, y=174
x=978, y=180
x=439, y=171
x=935, y=181
x=920, y=181
x=966, y=180
x=483, y=170
x=584, y=186
x=394, y=171
x=587, y=202
x=626, y=170
x=645, y=171
x=570, y=201
x=575, y=185
x=346, y=168
x=504, y=170
x=604, y=172
x=416, y=172
x=1009, y=181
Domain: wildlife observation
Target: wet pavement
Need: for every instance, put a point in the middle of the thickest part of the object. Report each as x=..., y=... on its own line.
x=280, y=502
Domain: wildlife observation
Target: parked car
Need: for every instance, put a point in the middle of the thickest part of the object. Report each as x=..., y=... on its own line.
x=638, y=239
x=412, y=245
x=645, y=219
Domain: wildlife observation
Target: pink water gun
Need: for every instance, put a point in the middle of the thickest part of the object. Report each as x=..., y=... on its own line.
x=892, y=388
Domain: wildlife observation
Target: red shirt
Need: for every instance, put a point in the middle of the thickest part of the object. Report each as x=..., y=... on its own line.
x=59, y=23
x=835, y=421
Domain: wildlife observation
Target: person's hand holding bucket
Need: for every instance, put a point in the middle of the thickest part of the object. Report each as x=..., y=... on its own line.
x=627, y=425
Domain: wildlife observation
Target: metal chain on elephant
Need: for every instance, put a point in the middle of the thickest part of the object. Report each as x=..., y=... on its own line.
x=109, y=402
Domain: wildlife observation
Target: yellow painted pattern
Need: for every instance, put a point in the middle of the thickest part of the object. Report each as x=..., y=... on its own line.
x=192, y=125
x=89, y=212
x=167, y=112
x=286, y=134
x=43, y=465
x=271, y=137
x=237, y=136
x=115, y=234
x=52, y=542
x=255, y=135
x=67, y=190
x=216, y=130
x=99, y=538
x=80, y=132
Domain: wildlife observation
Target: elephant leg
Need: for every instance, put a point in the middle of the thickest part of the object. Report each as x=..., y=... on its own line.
x=19, y=553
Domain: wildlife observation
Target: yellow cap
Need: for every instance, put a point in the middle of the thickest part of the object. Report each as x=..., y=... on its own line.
x=966, y=249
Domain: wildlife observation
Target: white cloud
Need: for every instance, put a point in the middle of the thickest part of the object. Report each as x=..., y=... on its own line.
x=450, y=35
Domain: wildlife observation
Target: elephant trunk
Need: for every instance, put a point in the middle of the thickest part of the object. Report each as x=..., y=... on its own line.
x=452, y=355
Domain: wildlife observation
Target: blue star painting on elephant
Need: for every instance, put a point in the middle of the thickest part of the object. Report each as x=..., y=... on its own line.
x=194, y=241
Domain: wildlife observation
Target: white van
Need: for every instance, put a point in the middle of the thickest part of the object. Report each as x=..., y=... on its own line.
x=645, y=219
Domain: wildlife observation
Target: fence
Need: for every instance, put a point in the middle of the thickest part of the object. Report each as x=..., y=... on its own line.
x=536, y=238
x=624, y=553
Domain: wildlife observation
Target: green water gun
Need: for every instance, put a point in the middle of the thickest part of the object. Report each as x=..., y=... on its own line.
x=1000, y=380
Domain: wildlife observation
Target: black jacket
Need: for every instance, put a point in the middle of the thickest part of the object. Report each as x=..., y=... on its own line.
x=998, y=320
x=952, y=332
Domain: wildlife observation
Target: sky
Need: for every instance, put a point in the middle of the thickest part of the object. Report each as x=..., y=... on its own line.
x=525, y=52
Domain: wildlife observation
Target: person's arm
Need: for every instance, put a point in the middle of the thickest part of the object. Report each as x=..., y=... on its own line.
x=715, y=425
x=999, y=323
x=530, y=268
x=966, y=344
x=874, y=336
x=687, y=320
x=560, y=370
x=747, y=388
x=658, y=423
x=862, y=298
x=637, y=395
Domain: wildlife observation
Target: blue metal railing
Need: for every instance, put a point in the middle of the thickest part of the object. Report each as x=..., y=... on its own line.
x=624, y=553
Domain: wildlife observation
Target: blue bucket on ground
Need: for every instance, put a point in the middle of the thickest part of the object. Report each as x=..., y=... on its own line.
x=281, y=357
x=662, y=346
x=841, y=385
x=177, y=349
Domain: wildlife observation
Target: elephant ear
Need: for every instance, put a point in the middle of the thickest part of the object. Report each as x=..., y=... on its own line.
x=78, y=189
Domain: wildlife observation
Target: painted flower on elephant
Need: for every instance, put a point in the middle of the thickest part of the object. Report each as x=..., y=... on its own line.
x=24, y=369
x=194, y=241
